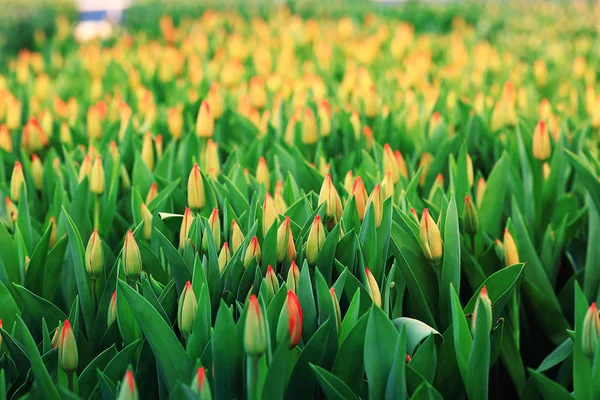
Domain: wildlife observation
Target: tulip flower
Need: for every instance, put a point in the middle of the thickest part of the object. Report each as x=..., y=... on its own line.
x=94, y=258
x=316, y=239
x=112, y=310
x=224, y=257
x=186, y=310
x=430, y=238
x=252, y=252
x=201, y=386
x=128, y=388
x=511, y=255
x=68, y=356
x=376, y=199
x=195, y=187
x=289, y=327
x=373, y=288
x=483, y=305
x=590, y=331
x=132, y=258
x=330, y=196
x=16, y=182
x=255, y=335
x=237, y=237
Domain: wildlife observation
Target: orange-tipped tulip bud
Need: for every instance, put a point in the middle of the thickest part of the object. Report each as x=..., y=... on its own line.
x=272, y=283
x=175, y=122
x=262, y=173
x=483, y=305
x=255, y=333
x=480, y=193
x=147, y=220
x=16, y=182
x=387, y=186
x=590, y=331
x=269, y=215
x=186, y=224
x=284, y=233
x=330, y=196
x=94, y=257
x=111, y=316
x=402, y=168
x=129, y=389
x=252, y=252
x=237, y=237
x=373, y=288
x=280, y=204
x=200, y=385
x=324, y=113
x=430, y=238
x=211, y=159
x=360, y=196
x=68, y=356
x=390, y=163
x=316, y=239
x=426, y=161
x=541, y=141
x=224, y=257
x=413, y=214
x=12, y=212
x=336, y=307
x=97, y=177
x=186, y=310
x=215, y=229
x=86, y=168
x=5, y=139
x=289, y=327
x=132, y=258
x=309, y=127
x=511, y=255
x=52, y=232
x=196, y=199
x=37, y=171
x=152, y=192
x=205, y=123
x=470, y=217
x=349, y=181
x=376, y=199
x=293, y=277
x=470, y=176
x=148, y=151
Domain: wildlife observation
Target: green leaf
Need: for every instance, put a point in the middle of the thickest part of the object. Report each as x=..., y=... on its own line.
x=307, y=303
x=181, y=272
x=492, y=204
x=227, y=355
x=548, y=388
x=333, y=387
x=479, y=359
x=416, y=332
x=451, y=263
x=380, y=343
x=349, y=365
x=40, y=307
x=396, y=384
x=9, y=309
x=170, y=355
x=557, y=356
x=462, y=336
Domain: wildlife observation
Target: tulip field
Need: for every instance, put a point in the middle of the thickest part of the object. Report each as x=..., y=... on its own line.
x=238, y=202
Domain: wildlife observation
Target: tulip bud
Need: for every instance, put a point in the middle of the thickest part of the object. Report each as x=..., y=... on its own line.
x=200, y=386
x=284, y=233
x=290, y=131
x=390, y=163
x=336, y=307
x=368, y=134
x=68, y=357
x=309, y=127
x=255, y=334
x=470, y=176
x=94, y=258
x=56, y=337
x=269, y=215
x=112, y=310
x=272, y=283
x=481, y=185
x=371, y=103
x=128, y=388
x=425, y=162
x=5, y=139
x=280, y=204
x=431, y=240
x=257, y=92
x=324, y=113
x=186, y=311
x=85, y=169
x=215, y=99
x=205, y=123
x=97, y=177
x=16, y=182
x=175, y=122
x=483, y=304
x=414, y=215
x=541, y=141
x=132, y=258
x=330, y=196
x=377, y=201
x=511, y=255
x=12, y=212
x=196, y=199
x=262, y=174
x=253, y=251
x=237, y=237
x=148, y=151
x=215, y=229
x=289, y=327
x=52, y=232
x=360, y=196
x=224, y=257
x=373, y=288
x=186, y=224
x=293, y=277
x=349, y=181
x=152, y=192
x=316, y=239
x=291, y=249
x=355, y=122
x=37, y=171
x=402, y=168
x=211, y=159
x=470, y=217
x=158, y=143
x=546, y=170
x=590, y=331
x=387, y=186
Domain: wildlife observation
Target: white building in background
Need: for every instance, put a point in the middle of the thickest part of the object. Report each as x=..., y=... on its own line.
x=97, y=17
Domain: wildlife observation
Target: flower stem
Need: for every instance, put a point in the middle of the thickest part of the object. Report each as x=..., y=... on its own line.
x=252, y=379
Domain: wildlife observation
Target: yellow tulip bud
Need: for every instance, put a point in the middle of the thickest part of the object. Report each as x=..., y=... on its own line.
x=205, y=123
x=94, y=258
x=316, y=239
x=148, y=151
x=5, y=139
x=511, y=255
x=147, y=219
x=481, y=186
x=262, y=173
x=309, y=127
x=16, y=182
x=390, y=163
x=252, y=252
x=186, y=310
x=541, y=141
x=376, y=199
x=283, y=235
x=214, y=223
x=68, y=356
x=387, y=186
x=330, y=196
x=224, y=257
x=269, y=215
x=373, y=288
x=152, y=193
x=211, y=159
x=196, y=199
x=430, y=238
x=97, y=177
x=237, y=237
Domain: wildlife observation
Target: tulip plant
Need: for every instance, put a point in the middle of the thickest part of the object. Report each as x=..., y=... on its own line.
x=267, y=204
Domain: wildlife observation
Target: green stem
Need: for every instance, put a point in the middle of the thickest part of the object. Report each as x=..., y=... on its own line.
x=70, y=381
x=97, y=213
x=252, y=379
x=93, y=290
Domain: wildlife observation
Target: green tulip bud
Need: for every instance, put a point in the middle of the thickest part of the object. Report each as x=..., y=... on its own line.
x=200, y=385
x=470, y=218
x=94, y=258
x=68, y=357
x=590, y=331
x=132, y=258
x=186, y=312
x=316, y=238
x=128, y=388
x=255, y=334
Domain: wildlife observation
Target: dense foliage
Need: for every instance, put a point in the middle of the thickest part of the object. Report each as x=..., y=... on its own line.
x=291, y=203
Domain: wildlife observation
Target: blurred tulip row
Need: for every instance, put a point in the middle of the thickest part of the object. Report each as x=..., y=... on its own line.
x=281, y=206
